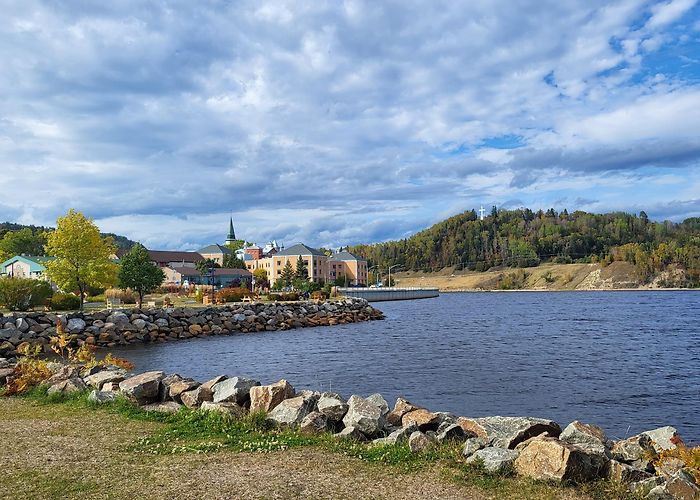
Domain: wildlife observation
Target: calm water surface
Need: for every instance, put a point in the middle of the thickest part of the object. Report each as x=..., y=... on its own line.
x=627, y=361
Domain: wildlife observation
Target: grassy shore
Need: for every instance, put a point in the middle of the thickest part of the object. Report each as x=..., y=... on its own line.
x=58, y=448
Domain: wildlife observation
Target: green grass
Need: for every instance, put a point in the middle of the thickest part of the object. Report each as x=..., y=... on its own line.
x=194, y=431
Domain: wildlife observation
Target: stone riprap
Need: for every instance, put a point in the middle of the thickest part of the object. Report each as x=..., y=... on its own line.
x=530, y=447
x=128, y=326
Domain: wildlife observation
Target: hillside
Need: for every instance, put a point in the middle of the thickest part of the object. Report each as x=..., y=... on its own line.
x=17, y=239
x=665, y=252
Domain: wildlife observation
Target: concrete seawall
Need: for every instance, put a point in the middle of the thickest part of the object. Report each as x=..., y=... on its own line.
x=386, y=294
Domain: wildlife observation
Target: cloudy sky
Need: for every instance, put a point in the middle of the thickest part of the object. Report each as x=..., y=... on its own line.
x=343, y=121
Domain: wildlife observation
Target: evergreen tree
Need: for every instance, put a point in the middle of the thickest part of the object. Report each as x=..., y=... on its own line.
x=287, y=276
x=302, y=271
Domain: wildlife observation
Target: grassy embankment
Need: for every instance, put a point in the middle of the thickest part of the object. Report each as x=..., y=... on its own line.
x=616, y=276
x=58, y=447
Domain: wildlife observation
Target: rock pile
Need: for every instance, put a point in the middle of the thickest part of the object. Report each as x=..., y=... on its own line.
x=532, y=447
x=119, y=327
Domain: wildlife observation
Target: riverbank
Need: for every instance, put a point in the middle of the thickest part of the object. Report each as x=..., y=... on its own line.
x=71, y=450
x=133, y=326
x=545, y=277
x=241, y=415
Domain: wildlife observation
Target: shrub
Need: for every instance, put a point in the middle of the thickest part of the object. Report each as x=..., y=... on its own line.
x=125, y=296
x=513, y=281
x=64, y=302
x=284, y=297
x=319, y=295
x=232, y=294
x=16, y=293
x=29, y=371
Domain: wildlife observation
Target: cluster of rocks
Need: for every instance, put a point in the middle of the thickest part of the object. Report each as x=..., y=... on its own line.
x=532, y=447
x=119, y=327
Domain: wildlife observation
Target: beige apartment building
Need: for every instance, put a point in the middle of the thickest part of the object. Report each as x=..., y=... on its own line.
x=321, y=268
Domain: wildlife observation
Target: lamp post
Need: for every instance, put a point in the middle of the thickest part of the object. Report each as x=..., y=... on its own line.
x=370, y=269
x=390, y=268
x=211, y=276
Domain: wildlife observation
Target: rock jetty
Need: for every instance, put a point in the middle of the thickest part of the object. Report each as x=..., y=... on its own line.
x=536, y=448
x=128, y=326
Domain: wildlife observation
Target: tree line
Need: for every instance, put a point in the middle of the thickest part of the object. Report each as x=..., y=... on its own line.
x=524, y=238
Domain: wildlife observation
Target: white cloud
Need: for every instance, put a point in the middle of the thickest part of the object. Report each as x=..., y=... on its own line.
x=666, y=13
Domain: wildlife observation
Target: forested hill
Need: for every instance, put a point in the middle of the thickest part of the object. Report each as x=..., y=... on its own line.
x=17, y=239
x=522, y=238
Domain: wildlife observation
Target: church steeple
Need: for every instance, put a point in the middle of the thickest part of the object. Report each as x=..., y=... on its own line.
x=231, y=233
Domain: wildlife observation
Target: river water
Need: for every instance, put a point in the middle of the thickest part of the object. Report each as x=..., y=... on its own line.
x=627, y=361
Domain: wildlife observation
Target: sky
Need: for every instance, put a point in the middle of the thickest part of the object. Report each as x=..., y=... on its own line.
x=343, y=122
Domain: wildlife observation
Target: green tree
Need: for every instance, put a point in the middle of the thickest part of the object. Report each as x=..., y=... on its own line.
x=138, y=272
x=23, y=241
x=82, y=256
x=302, y=272
x=232, y=262
x=204, y=265
x=235, y=245
x=287, y=276
x=20, y=294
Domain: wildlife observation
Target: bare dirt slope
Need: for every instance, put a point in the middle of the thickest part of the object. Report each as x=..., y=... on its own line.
x=618, y=275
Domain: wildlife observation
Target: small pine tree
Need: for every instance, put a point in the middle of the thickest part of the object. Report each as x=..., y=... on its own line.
x=287, y=276
x=138, y=273
x=302, y=272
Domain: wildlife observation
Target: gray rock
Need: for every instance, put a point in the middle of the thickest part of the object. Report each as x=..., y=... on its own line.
x=291, y=412
x=100, y=378
x=623, y=473
x=239, y=317
x=549, y=459
x=402, y=406
x=209, y=384
x=163, y=407
x=659, y=493
x=365, y=415
x=643, y=487
x=419, y=442
x=179, y=386
x=101, y=397
x=682, y=486
x=5, y=373
x=400, y=435
x=664, y=438
x=68, y=386
x=472, y=445
x=196, y=397
x=495, y=460
x=139, y=323
x=332, y=406
x=75, y=325
x=351, y=433
x=22, y=325
x=118, y=318
x=232, y=409
x=314, y=423
x=586, y=436
x=236, y=389
x=379, y=401
x=143, y=388
x=508, y=432
x=452, y=432
x=162, y=323
x=637, y=450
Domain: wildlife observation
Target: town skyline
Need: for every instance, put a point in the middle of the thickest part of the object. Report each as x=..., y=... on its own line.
x=337, y=124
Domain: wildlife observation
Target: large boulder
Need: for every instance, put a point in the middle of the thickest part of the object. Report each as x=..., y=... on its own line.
x=637, y=451
x=664, y=438
x=586, y=436
x=422, y=418
x=196, y=397
x=143, y=388
x=75, y=325
x=472, y=445
x=401, y=407
x=173, y=388
x=419, y=442
x=209, y=384
x=332, y=406
x=453, y=433
x=398, y=436
x=291, y=412
x=118, y=318
x=379, y=401
x=162, y=407
x=508, y=432
x=99, y=379
x=314, y=423
x=494, y=460
x=364, y=415
x=101, y=397
x=351, y=433
x=550, y=459
x=69, y=386
x=5, y=373
x=682, y=486
x=236, y=389
x=266, y=397
x=232, y=409
x=623, y=473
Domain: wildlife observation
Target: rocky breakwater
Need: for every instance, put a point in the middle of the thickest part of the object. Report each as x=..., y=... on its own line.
x=119, y=327
x=537, y=448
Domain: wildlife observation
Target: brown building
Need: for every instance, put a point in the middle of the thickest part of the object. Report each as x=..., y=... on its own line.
x=166, y=258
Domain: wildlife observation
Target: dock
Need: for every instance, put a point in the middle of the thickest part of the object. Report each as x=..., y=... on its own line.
x=389, y=293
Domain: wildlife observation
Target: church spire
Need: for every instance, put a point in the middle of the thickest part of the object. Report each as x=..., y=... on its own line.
x=231, y=233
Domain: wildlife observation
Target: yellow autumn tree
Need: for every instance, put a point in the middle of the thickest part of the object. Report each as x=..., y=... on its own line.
x=81, y=255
